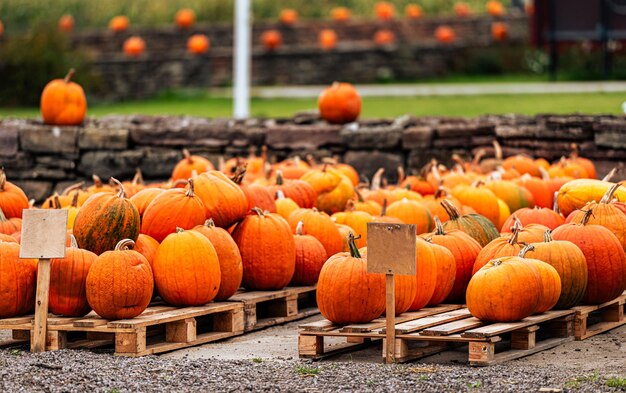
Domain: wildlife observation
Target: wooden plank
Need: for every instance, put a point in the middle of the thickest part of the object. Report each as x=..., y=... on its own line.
x=434, y=320
x=173, y=315
x=267, y=322
x=405, y=354
x=318, y=326
x=450, y=328
x=587, y=309
x=380, y=323
x=598, y=328
x=518, y=353
x=337, y=349
x=258, y=296
x=131, y=343
x=390, y=311
x=496, y=329
x=310, y=345
x=161, y=347
x=8, y=322
x=182, y=331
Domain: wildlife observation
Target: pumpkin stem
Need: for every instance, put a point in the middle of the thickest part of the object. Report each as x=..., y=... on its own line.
x=221, y=164
x=187, y=156
x=574, y=153
x=587, y=216
x=435, y=171
x=401, y=175
x=57, y=201
x=544, y=174
x=3, y=178
x=121, y=193
x=179, y=230
x=354, y=250
x=547, y=236
x=75, y=199
x=377, y=179
x=450, y=209
x=608, y=197
x=383, y=211
x=73, y=242
x=73, y=187
x=610, y=175
x=310, y=160
x=478, y=156
x=497, y=149
x=3, y=218
x=516, y=223
x=209, y=223
x=478, y=183
x=126, y=244
x=258, y=211
x=440, y=192
x=190, y=191
x=138, y=178
x=523, y=251
x=350, y=207
x=497, y=262
x=299, y=228
x=439, y=229
x=515, y=230
x=97, y=182
x=69, y=75
x=31, y=203
x=358, y=195
x=555, y=205
x=279, y=178
x=280, y=194
x=179, y=182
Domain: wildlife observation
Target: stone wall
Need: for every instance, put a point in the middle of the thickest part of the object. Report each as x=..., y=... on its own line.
x=415, y=55
x=42, y=158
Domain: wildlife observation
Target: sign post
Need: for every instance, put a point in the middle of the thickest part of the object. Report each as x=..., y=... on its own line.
x=390, y=251
x=43, y=237
x=241, y=60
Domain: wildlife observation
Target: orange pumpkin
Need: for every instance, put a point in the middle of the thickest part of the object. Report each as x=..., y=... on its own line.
x=185, y=168
x=575, y=194
x=504, y=246
x=285, y=206
x=540, y=190
x=146, y=246
x=299, y=191
x=120, y=283
x=445, y=34
x=475, y=225
x=550, y=281
x=346, y=292
x=63, y=102
x=345, y=232
x=267, y=250
x=479, y=198
x=288, y=16
x=516, y=197
x=333, y=189
x=310, y=257
x=9, y=225
x=495, y=8
x=527, y=216
x=446, y=272
x=340, y=103
x=68, y=277
x=319, y=225
x=586, y=163
x=18, y=279
x=499, y=31
x=426, y=274
x=357, y=220
x=223, y=200
x=119, y=23
x=384, y=37
x=231, y=266
x=143, y=198
x=412, y=212
x=462, y=10
x=271, y=39
x=327, y=39
x=198, y=44
x=7, y=238
x=340, y=14
x=66, y=23
x=134, y=46
x=384, y=10
x=185, y=18
x=522, y=164
x=413, y=11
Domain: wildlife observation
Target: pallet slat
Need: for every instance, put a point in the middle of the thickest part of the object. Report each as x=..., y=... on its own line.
x=496, y=329
x=610, y=314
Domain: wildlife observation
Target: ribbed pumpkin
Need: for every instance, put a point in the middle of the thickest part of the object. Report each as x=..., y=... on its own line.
x=356, y=220
x=433, y=204
x=346, y=292
x=535, y=215
x=606, y=261
x=575, y=194
x=383, y=217
x=345, y=232
x=532, y=233
x=446, y=272
x=18, y=278
x=68, y=277
x=465, y=250
x=319, y=225
x=104, y=220
x=174, y=208
x=504, y=246
x=505, y=213
x=477, y=226
x=310, y=257
x=231, y=267
x=12, y=198
x=223, y=200
x=9, y=225
x=332, y=187
x=505, y=290
x=142, y=199
x=300, y=191
x=426, y=277
x=256, y=195
x=192, y=280
x=412, y=212
x=550, y=281
x=542, y=196
x=516, y=197
x=603, y=213
x=120, y=283
x=267, y=250
x=479, y=198
x=569, y=261
x=147, y=246
x=522, y=164
x=285, y=206
x=7, y=238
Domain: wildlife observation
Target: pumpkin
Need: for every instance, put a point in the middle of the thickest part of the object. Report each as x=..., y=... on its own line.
x=134, y=46
x=505, y=213
x=288, y=16
x=465, y=250
x=384, y=37
x=542, y=196
x=72, y=211
x=18, y=278
x=536, y=215
x=371, y=207
x=346, y=292
x=462, y=10
x=66, y=23
x=506, y=289
x=190, y=281
x=446, y=272
x=332, y=187
x=327, y=39
x=9, y=225
x=319, y=225
x=223, y=200
x=285, y=206
x=575, y=194
x=499, y=31
x=383, y=217
x=340, y=103
x=445, y=34
x=405, y=289
x=475, y=225
x=604, y=213
x=345, y=232
x=271, y=39
x=299, y=191
x=532, y=233
x=256, y=195
x=68, y=277
x=426, y=274
x=143, y=198
x=119, y=23
x=98, y=186
x=413, y=11
x=267, y=249
x=340, y=14
x=384, y=10
x=104, y=220
x=586, y=163
x=501, y=247
x=522, y=164
x=516, y=197
x=63, y=102
x=1, y=29
x=606, y=261
x=433, y=204
x=198, y=44
x=356, y=220
x=310, y=257
x=479, y=198
x=412, y=212
x=185, y=168
x=147, y=246
x=495, y=8
x=7, y=238
x=185, y=18
x=419, y=185
x=120, y=283
x=570, y=263
x=174, y=208
x=550, y=282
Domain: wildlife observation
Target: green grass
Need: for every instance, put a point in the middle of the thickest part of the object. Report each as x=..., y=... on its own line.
x=257, y=360
x=307, y=371
x=372, y=107
x=616, y=382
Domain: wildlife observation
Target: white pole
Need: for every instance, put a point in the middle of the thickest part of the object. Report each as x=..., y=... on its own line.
x=241, y=59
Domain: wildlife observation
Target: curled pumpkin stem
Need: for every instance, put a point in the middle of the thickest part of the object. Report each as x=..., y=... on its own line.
x=439, y=229
x=69, y=76
x=354, y=250
x=299, y=228
x=121, y=193
x=126, y=244
x=523, y=251
x=190, y=191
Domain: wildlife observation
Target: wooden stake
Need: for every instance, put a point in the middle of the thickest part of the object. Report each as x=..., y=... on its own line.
x=38, y=342
x=390, y=312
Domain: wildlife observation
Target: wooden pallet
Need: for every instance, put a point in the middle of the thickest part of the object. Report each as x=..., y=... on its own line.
x=268, y=308
x=436, y=329
x=158, y=329
x=592, y=320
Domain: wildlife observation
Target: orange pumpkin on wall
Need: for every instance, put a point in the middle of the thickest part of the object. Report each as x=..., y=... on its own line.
x=384, y=37
x=198, y=44
x=63, y=102
x=340, y=103
x=327, y=39
x=413, y=11
x=288, y=16
x=119, y=23
x=462, y=10
x=18, y=279
x=134, y=46
x=495, y=8
x=185, y=18
x=384, y=10
x=499, y=31
x=1, y=29
x=66, y=23
x=445, y=34
x=271, y=40
x=340, y=14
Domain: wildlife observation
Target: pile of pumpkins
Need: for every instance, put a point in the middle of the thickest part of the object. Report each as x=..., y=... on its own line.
x=509, y=237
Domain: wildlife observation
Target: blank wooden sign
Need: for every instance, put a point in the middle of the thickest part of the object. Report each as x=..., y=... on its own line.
x=44, y=233
x=391, y=248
